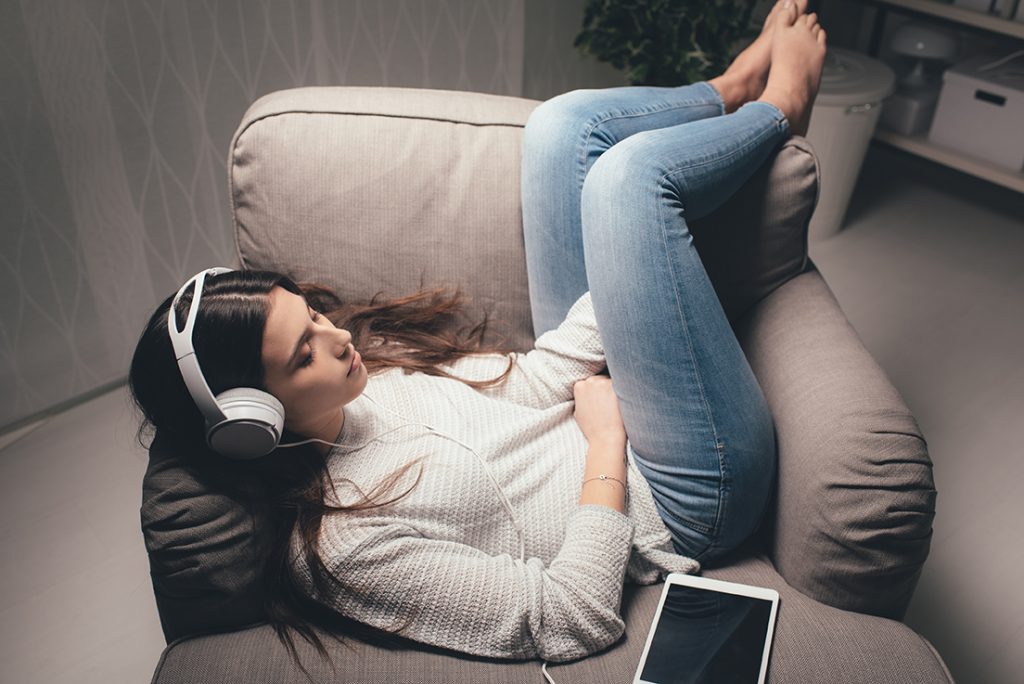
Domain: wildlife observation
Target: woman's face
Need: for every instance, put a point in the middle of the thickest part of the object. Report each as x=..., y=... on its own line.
x=306, y=363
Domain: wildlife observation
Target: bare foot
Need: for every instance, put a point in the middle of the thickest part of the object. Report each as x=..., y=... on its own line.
x=798, y=55
x=747, y=76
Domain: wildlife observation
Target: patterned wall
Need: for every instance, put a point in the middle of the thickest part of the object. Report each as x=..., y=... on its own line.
x=115, y=120
x=551, y=64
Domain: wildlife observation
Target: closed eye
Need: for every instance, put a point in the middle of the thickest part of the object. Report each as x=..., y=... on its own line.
x=308, y=359
x=315, y=315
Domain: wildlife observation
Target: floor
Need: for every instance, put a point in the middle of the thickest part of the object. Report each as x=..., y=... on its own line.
x=930, y=270
x=76, y=604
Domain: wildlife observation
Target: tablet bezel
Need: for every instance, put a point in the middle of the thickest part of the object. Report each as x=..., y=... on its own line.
x=721, y=586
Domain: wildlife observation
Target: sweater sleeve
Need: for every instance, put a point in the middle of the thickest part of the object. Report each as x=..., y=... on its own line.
x=458, y=597
x=544, y=376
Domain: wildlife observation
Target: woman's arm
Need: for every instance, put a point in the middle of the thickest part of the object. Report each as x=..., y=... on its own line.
x=458, y=597
x=598, y=415
x=545, y=375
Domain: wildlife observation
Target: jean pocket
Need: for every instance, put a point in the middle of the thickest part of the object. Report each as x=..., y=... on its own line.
x=699, y=527
x=689, y=542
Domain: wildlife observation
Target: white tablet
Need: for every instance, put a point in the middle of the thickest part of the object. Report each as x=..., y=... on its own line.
x=709, y=632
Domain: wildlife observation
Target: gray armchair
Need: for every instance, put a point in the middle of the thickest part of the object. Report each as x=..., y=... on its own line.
x=388, y=189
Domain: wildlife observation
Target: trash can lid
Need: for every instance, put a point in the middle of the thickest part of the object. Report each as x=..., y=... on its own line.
x=852, y=78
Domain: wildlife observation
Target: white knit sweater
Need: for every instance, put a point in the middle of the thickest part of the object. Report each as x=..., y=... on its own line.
x=447, y=555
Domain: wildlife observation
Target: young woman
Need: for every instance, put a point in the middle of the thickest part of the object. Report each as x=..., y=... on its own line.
x=491, y=502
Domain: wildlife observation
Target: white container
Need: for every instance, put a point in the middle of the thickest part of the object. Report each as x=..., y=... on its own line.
x=981, y=113
x=843, y=121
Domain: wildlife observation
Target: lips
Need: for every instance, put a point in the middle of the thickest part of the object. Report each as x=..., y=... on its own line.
x=356, y=362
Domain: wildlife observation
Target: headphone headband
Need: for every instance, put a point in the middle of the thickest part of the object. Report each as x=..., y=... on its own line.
x=185, y=352
x=240, y=423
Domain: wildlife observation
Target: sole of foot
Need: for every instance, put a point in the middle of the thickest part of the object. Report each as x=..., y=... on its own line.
x=798, y=56
x=747, y=76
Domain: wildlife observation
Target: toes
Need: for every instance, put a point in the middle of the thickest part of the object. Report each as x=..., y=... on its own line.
x=788, y=14
x=821, y=37
x=772, y=17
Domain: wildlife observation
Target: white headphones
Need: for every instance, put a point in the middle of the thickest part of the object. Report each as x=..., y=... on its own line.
x=241, y=423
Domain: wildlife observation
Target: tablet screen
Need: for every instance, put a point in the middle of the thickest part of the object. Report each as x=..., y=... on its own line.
x=706, y=636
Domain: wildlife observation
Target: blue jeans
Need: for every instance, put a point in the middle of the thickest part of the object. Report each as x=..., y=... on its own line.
x=609, y=179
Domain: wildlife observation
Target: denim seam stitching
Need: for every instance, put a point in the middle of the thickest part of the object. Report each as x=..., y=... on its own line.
x=689, y=347
x=724, y=470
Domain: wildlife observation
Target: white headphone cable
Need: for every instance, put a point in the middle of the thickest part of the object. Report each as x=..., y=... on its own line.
x=520, y=534
x=487, y=469
x=504, y=499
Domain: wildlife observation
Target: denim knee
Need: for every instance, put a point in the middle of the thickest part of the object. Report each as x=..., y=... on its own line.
x=559, y=120
x=573, y=105
x=635, y=162
x=627, y=173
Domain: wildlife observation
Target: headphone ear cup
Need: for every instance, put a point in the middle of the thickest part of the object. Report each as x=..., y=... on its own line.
x=252, y=426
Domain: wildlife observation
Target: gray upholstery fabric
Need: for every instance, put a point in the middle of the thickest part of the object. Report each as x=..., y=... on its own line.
x=757, y=240
x=388, y=189
x=385, y=189
x=855, y=498
x=202, y=549
x=813, y=643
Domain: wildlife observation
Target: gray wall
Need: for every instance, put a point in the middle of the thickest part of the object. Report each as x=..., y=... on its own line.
x=551, y=64
x=115, y=120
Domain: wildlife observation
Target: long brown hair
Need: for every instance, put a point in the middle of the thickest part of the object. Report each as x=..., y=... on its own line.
x=287, y=488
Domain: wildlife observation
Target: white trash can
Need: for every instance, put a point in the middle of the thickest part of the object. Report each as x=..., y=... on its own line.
x=843, y=120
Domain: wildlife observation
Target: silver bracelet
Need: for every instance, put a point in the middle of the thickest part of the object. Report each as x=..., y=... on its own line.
x=607, y=477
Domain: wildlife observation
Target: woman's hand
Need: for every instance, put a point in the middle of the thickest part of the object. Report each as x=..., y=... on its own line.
x=597, y=410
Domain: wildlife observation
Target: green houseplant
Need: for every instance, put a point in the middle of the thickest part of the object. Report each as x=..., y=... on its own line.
x=666, y=42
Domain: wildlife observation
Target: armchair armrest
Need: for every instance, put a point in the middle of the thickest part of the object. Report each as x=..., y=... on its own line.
x=851, y=523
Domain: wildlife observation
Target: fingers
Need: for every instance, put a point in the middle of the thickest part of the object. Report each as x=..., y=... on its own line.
x=598, y=379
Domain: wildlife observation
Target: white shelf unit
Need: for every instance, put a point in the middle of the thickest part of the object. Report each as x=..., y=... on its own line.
x=958, y=15
x=982, y=168
x=919, y=144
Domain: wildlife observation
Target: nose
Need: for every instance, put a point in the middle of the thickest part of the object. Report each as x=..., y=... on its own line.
x=339, y=342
